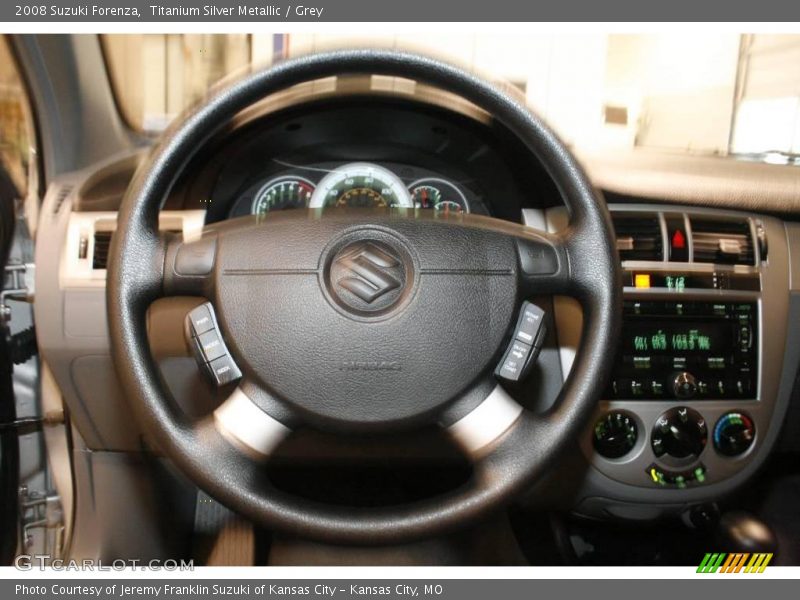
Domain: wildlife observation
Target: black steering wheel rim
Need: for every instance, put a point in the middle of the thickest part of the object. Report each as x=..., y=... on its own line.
x=136, y=278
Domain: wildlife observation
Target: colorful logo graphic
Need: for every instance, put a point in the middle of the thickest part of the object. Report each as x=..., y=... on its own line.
x=720, y=562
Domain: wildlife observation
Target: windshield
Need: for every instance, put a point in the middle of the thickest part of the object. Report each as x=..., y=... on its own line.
x=717, y=94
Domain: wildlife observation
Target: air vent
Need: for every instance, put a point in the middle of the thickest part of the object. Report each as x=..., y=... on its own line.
x=722, y=241
x=638, y=236
x=63, y=193
x=102, y=242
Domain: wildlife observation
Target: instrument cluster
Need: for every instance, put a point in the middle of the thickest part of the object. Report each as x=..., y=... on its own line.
x=357, y=185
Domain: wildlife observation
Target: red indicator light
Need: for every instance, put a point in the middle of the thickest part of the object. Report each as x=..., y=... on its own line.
x=678, y=240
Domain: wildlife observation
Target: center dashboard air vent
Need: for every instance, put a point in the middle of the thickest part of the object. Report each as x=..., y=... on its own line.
x=639, y=236
x=722, y=241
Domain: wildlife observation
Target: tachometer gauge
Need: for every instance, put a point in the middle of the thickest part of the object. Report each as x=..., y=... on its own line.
x=281, y=193
x=361, y=185
x=438, y=194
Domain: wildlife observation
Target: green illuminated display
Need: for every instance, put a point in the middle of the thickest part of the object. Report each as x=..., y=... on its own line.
x=660, y=340
x=675, y=282
x=691, y=340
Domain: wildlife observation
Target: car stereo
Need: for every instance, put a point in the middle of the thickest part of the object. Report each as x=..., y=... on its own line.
x=701, y=350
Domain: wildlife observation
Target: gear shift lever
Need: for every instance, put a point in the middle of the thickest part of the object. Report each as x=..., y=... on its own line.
x=740, y=531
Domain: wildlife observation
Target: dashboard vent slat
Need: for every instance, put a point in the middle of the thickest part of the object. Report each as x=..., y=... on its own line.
x=638, y=236
x=102, y=243
x=63, y=193
x=722, y=241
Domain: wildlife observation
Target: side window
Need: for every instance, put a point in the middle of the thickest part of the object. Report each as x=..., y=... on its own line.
x=17, y=139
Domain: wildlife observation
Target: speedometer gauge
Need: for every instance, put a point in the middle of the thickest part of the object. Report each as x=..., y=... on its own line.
x=281, y=193
x=361, y=185
x=438, y=194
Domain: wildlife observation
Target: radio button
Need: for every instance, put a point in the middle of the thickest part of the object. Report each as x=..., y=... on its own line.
x=679, y=362
x=745, y=338
x=684, y=385
x=623, y=387
x=743, y=386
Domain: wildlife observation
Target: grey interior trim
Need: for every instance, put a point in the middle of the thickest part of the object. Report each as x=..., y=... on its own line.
x=131, y=507
x=612, y=481
x=567, y=312
x=488, y=421
x=793, y=240
x=711, y=181
x=58, y=448
x=70, y=313
x=247, y=426
x=65, y=75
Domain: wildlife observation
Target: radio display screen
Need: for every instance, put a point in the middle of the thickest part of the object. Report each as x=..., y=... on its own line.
x=678, y=336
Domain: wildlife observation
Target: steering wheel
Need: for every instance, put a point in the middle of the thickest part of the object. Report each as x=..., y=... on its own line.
x=363, y=321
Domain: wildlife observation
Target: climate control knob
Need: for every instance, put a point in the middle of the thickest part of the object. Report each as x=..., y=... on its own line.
x=614, y=435
x=734, y=434
x=680, y=433
x=684, y=385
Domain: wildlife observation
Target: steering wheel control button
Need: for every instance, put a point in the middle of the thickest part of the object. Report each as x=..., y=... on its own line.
x=524, y=348
x=223, y=370
x=529, y=326
x=734, y=434
x=208, y=347
x=615, y=435
x=201, y=320
x=196, y=259
x=211, y=345
x=680, y=433
x=537, y=258
x=513, y=365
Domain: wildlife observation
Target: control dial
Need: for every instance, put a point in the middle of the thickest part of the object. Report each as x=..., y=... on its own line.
x=680, y=433
x=614, y=435
x=734, y=434
x=684, y=385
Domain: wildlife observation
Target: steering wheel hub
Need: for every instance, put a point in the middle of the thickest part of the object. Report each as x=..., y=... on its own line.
x=399, y=314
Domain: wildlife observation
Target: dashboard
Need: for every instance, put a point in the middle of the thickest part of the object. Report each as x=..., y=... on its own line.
x=361, y=152
x=356, y=185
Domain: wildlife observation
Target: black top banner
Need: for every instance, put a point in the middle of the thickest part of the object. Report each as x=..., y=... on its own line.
x=293, y=11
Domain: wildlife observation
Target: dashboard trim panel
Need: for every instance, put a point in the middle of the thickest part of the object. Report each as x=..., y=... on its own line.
x=625, y=479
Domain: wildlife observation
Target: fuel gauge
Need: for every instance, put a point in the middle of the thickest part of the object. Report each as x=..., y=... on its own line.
x=438, y=194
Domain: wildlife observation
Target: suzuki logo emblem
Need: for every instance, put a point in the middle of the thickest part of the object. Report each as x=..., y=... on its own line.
x=367, y=271
x=369, y=277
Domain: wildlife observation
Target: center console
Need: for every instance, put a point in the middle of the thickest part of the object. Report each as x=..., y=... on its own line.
x=704, y=362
